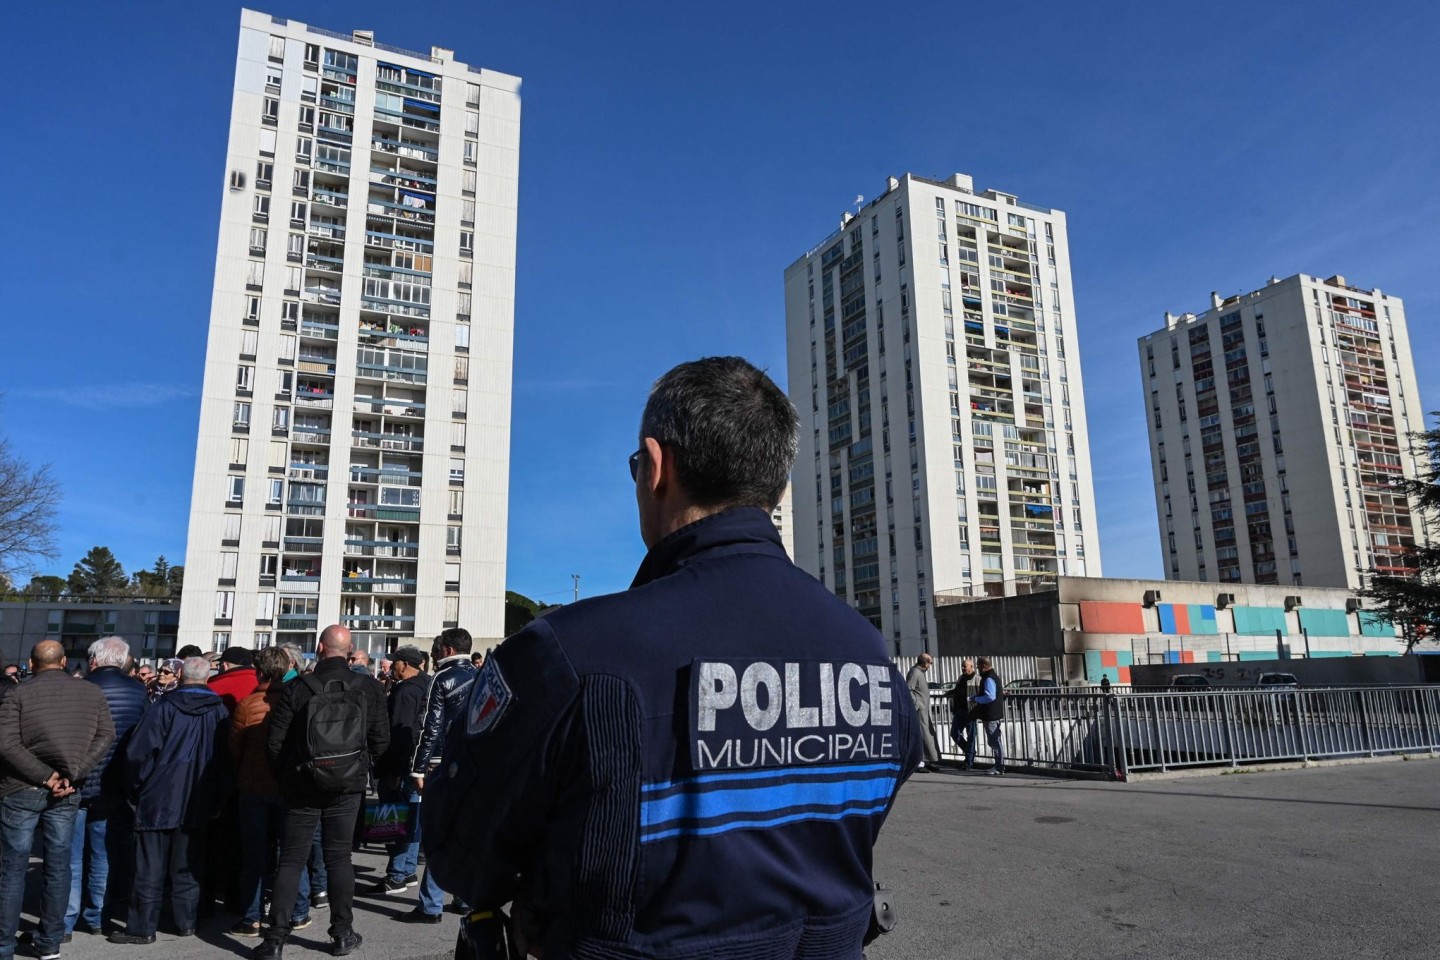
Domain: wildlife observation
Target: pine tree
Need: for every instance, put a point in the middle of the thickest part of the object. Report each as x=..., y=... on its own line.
x=98, y=574
x=1412, y=602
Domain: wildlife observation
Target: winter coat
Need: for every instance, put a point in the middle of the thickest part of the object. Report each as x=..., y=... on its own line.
x=177, y=766
x=104, y=789
x=52, y=723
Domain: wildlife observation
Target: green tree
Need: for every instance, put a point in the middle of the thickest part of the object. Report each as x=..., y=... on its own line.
x=1412, y=602
x=98, y=574
x=519, y=610
x=159, y=581
x=45, y=587
x=175, y=578
x=27, y=512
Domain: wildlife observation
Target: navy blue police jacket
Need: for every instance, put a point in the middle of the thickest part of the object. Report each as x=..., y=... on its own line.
x=696, y=767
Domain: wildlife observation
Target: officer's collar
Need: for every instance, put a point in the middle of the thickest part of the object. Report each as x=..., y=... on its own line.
x=737, y=530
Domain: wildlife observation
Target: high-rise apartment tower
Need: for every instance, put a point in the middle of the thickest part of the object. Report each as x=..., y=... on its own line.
x=353, y=454
x=934, y=361
x=1278, y=419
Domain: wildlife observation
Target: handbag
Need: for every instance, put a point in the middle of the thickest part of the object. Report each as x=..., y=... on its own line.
x=388, y=821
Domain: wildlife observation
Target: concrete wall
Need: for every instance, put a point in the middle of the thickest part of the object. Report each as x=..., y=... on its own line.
x=1318, y=671
x=1004, y=626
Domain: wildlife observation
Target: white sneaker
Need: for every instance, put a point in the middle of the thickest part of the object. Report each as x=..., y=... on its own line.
x=920, y=768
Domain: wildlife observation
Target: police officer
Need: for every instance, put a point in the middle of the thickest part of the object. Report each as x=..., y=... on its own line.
x=698, y=766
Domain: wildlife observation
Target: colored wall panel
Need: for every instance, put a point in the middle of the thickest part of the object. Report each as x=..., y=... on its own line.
x=1202, y=619
x=1257, y=655
x=1259, y=621
x=1330, y=653
x=1168, y=622
x=1325, y=623
x=1372, y=626
x=1098, y=617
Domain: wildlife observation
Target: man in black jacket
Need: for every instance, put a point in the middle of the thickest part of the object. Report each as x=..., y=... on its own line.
x=453, y=675
x=407, y=702
x=53, y=731
x=177, y=771
x=334, y=810
x=102, y=826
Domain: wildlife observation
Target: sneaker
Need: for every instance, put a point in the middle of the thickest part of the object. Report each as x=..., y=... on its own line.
x=341, y=945
x=420, y=916
x=268, y=950
x=457, y=907
x=302, y=923
x=246, y=929
x=28, y=938
x=130, y=939
x=320, y=901
x=411, y=879
x=920, y=767
x=386, y=887
x=995, y=772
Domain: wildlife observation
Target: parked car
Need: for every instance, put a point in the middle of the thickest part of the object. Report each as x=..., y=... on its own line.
x=1277, y=681
x=1190, y=681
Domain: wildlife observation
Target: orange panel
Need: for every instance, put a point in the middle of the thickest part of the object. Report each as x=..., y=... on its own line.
x=1107, y=658
x=1097, y=617
x=1124, y=674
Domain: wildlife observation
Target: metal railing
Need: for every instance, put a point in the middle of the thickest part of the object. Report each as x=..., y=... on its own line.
x=1120, y=733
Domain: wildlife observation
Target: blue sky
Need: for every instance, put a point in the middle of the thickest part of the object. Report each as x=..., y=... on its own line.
x=675, y=157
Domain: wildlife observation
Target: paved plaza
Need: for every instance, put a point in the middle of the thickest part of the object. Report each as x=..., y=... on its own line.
x=1320, y=863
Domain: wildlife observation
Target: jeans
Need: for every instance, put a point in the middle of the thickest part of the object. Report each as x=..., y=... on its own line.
x=336, y=820
x=19, y=814
x=160, y=854
x=963, y=731
x=996, y=735
x=262, y=823
x=405, y=855
x=106, y=836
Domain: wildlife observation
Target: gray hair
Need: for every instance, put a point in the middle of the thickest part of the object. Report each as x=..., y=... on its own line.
x=110, y=652
x=731, y=429
x=295, y=652
x=195, y=670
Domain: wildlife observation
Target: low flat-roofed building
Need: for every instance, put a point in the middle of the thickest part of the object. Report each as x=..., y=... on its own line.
x=149, y=626
x=1097, y=627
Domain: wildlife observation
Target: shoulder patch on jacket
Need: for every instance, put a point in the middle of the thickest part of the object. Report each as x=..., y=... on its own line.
x=490, y=697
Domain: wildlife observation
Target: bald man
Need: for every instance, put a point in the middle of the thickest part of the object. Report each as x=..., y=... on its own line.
x=53, y=732
x=329, y=797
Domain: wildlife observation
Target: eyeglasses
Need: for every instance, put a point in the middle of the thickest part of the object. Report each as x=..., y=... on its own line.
x=635, y=464
x=164, y=673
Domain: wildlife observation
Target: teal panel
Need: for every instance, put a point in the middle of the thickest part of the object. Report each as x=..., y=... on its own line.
x=1093, y=670
x=1217, y=656
x=1258, y=655
x=1325, y=623
x=1330, y=653
x=1371, y=625
x=1202, y=620
x=1124, y=658
x=1382, y=653
x=1259, y=621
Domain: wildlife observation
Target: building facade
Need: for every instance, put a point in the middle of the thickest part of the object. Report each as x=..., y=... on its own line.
x=1277, y=421
x=353, y=456
x=934, y=362
x=1087, y=629
x=149, y=626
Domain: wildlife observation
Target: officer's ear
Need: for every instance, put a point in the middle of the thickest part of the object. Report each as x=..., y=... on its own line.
x=658, y=466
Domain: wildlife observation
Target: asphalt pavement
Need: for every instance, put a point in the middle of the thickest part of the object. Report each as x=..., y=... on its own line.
x=1333, y=862
x=1328, y=862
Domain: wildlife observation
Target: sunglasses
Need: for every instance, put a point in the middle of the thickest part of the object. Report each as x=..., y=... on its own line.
x=635, y=464
x=167, y=673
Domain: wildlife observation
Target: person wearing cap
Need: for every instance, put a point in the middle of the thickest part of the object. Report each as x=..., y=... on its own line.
x=237, y=678
x=167, y=677
x=406, y=702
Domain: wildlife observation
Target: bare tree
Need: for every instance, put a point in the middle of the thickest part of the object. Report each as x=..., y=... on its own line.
x=27, y=513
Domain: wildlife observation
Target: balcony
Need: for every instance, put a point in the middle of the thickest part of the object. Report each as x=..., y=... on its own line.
x=377, y=371
x=316, y=330
x=402, y=549
x=411, y=149
x=387, y=441
x=374, y=585
x=375, y=511
x=313, y=435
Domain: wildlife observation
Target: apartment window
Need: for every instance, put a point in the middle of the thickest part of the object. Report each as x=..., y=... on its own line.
x=258, y=237
x=459, y=399
x=312, y=56
x=452, y=611
x=452, y=576
x=472, y=150
x=272, y=531
x=462, y=306
x=462, y=369
x=472, y=123
x=462, y=336
x=261, y=207
x=452, y=538
x=295, y=246
x=309, y=87
x=224, y=607
x=242, y=414
x=293, y=278
x=457, y=470
x=252, y=310
x=290, y=310
x=229, y=564
x=287, y=346
x=277, y=491
x=281, y=419
x=467, y=243
x=467, y=272
x=457, y=435
x=235, y=489
x=472, y=94
x=467, y=212
x=279, y=455
x=270, y=111
x=307, y=118
x=277, y=48
x=297, y=213
x=263, y=172
x=230, y=529
x=255, y=273
x=245, y=377
x=457, y=503
x=267, y=143
x=248, y=341
x=304, y=150
x=467, y=181
x=269, y=562
x=239, y=450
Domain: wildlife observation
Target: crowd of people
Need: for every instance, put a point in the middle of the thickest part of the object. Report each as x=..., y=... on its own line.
x=146, y=784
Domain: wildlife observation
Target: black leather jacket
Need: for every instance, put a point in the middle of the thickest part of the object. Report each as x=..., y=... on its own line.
x=445, y=702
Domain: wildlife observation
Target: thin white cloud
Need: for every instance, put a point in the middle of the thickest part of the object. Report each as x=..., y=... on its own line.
x=112, y=396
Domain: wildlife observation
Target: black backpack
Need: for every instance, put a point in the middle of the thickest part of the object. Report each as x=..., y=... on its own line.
x=334, y=754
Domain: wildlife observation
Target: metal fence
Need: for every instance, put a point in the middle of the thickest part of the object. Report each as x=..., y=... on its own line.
x=1122, y=733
